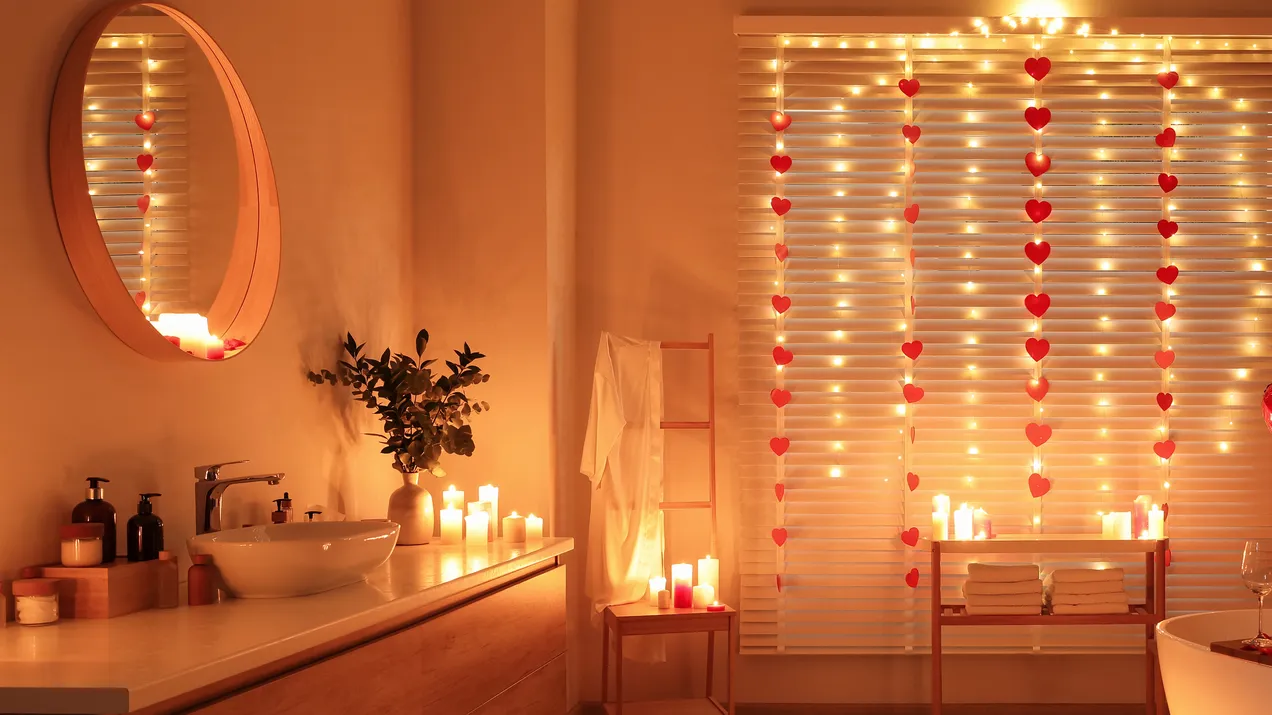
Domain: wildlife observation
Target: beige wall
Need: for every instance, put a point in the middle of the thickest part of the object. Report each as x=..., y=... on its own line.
x=332, y=91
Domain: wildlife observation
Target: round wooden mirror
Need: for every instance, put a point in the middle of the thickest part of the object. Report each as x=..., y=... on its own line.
x=163, y=185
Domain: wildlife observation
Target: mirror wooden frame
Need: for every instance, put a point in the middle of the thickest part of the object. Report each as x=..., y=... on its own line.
x=247, y=293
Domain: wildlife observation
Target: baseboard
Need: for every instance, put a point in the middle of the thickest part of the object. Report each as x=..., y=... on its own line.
x=917, y=709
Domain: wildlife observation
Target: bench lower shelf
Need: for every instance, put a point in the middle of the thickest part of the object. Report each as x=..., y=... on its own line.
x=1139, y=615
x=694, y=706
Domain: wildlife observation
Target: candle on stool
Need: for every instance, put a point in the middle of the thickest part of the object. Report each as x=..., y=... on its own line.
x=664, y=599
x=453, y=498
x=490, y=493
x=941, y=503
x=940, y=526
x=1139, y=516
x=982, y=524
x=1123, y=525
x=534, y=528
x=452, y=525
x=682, y=585
x=703, y=596
x=1108, y=526
x=1156, y=523
x=478, y=525
x=657, y=585
x=709, y=572
x=963, y=520
x=514, y=529
x=716, y=607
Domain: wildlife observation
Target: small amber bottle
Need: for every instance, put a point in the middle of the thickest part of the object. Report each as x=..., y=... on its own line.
x=201, y=581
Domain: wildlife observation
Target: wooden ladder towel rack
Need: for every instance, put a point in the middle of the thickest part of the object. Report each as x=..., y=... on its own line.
x=709, y=425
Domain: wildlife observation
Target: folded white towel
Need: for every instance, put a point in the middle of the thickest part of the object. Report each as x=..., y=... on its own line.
x=1085, y=575
x=1090, y=599
x=1012, y=599
x=1056, y=589
x=981, y=588
x=1090, y=608
x=1004, y=610
x=1002, y=573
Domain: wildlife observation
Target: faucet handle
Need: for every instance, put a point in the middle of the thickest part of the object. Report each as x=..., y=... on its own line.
x=210, y=472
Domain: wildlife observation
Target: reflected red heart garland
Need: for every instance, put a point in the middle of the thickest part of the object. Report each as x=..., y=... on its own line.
x=910, y=347
x=1165, y=309
x=1037, y=303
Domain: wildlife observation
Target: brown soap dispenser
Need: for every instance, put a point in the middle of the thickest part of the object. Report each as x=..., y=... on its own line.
x=96, y=510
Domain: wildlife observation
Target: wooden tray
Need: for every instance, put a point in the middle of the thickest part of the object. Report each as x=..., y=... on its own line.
x=105, y=591
x=1236, y=650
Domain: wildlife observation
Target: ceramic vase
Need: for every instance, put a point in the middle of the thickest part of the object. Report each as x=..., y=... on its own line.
x=411, y=507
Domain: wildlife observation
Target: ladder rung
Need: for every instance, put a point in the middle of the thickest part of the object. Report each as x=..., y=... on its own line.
x=685, y=425
x=684, y=505
x=666, y=345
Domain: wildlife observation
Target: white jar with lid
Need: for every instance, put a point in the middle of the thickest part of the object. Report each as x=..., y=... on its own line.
x=35, y=601
x=82, y=544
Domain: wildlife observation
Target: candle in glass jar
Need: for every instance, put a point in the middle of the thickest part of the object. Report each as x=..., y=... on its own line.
x=940, y=526
x=1156, y=523
x=490, y=493
x=963, y=524
x=941, y=503
x=452, y=525
x=709, y=572
x=534, y=528
x=657, y=585
x=453, y=498
x=478, y=526
x=703, y=596
x=982, y=525
x=682, y=585
x=514, y=529
x=1139, y=516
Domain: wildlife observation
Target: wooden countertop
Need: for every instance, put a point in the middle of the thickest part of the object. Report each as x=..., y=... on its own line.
x=116, y=665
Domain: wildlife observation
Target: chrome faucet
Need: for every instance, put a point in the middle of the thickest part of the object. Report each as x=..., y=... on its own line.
x=209, y=488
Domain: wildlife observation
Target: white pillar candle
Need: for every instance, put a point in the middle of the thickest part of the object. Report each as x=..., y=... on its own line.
x=941, y=503
x=452, y=525
x=514, y=529
x=1108, y=524
x=482, y=506
x=682, y=585
x=534, y=528
x=1124, y=525
x=703, y=596
x=963, y=522
x=940, y=526
x=453, y=498
x=478, y=525
x=657, y=585
x=191, y=328
x=1156, y=523
x=490, y=493
x=709, y=572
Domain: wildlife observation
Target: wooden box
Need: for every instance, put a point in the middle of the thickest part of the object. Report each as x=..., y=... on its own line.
x=105, y=591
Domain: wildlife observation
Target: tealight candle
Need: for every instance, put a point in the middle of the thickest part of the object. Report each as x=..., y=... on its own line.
x=682, y=585
x=452, y=525
x=478, y=525
x=940, y=526
x=534, y=528
x=709, y=572
x=514, y=529
x=664, y=599
x=453, y=498
x=703, y=596
x=215, y=348
x=963, y=524
x=657, y=585
x=490, y=493
x=716, y=607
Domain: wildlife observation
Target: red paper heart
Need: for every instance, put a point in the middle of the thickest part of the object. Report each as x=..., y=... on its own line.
x=1038, y=389
x=779, y=445
x=911, y=435
x=1164, y=358
x=143, y=203
x=780, y=490
x=1167, y=556
x=781, y=163
x=1165, y=512
x=1168, y=80
x=913, y=393
x=912, y=305
x=1168, y=274
x=1038, y=252
x=911, y=132
x=1166, y=139
x=1037, y=117
x=1165, y=450
x=910, y=536
x=1037, y=68
x=1167, y=182
x=779, y=536
x=912, y=349
x=145, y=120
x=780, y=397
x=778, y=578
x=1038, y=210
x=139, y=298
x=1037, y=348
x=1165, y=400
x=781, y=303
x=909, y=87
x=912, y=213
x=781, y=251
x=780, y=120
x=1038, y=304
x=912, y=578
x=145, y=161
x=1167, y=228
x=780, y=205
x=1039, y=485
x=914, y=256
x=912, y=480
x=1037, y=434
x=1038, y=164
x=1165, y=311
x=782, y=356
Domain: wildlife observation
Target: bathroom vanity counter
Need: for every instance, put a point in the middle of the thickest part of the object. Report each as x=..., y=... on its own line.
x=422, y=623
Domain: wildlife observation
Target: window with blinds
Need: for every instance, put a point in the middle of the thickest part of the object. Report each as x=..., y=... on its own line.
x=837, y=583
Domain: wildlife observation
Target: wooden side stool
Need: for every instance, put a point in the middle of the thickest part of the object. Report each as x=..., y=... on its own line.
x=642, y=619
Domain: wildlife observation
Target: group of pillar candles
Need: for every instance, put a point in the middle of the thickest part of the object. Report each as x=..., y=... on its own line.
x=481, y=525
x=1145, y=520
x=683, y=593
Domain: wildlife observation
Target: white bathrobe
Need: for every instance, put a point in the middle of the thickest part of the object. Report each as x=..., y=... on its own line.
x=623, y=457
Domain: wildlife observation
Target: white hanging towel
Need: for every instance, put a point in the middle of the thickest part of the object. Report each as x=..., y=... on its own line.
x=623, y=457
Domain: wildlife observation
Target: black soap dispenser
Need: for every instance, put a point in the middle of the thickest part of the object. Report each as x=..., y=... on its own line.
x=96, y=510
x=145, y=531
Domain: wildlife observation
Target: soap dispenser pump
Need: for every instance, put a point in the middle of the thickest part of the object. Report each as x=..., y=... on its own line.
x=145, y=531
x=96, y=510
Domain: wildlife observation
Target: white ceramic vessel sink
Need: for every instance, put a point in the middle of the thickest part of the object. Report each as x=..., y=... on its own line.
x=282, y=560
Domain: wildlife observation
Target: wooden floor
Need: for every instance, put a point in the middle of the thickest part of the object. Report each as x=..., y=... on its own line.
x=694, y=708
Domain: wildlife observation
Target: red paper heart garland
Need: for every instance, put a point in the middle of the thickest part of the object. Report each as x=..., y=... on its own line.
x=781, y=303
x=911, y=213
x=1165, y=311
x=912, y=578
x=1038, y=304
x=1037, y=67
x=781, y=163
x=1038, y=252
x=780, y=445
x=1168, y=80
x=780, y=397
x=1038, y=117
x=145, y=120
x=143, y=203
x=1038, y=211
x=912, y=480
x=1166, y=139
x=1038, y=434
x=909, y=87
x=1165, y=400
x=1164, y=358
x=912, y=349
x=1167, y=182
x=1165, y=449
x=779, y=120
x=780, y=205
x=1038, y=485
x=1167, y=228
x=1168, y=274
x=779, y=536
x=782, y=356
x=145, y=161
x=1037, y=348
x=911, y=133
x=1038, y=389
x=910, y=536
x=912, y=393
x=781, y=251
x=779, y=490
x=1038, y=164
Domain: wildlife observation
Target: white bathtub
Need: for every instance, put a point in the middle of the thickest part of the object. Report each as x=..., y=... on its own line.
x=1199, y=682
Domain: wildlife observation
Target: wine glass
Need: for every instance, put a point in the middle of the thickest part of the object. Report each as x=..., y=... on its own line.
x=1256, y=571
